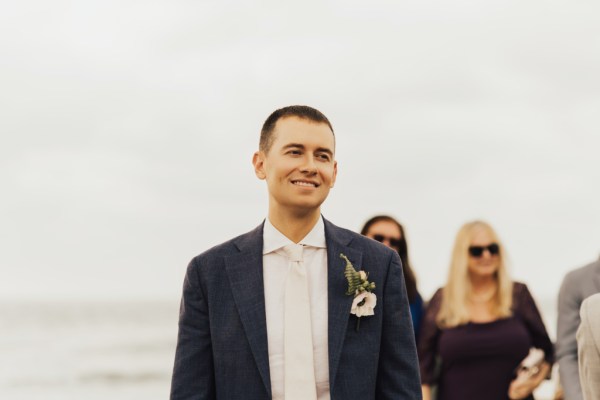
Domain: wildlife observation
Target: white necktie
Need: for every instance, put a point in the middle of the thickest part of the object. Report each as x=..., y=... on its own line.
x=298, y=347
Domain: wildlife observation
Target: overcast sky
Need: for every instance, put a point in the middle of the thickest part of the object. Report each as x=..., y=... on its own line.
x=128, y=129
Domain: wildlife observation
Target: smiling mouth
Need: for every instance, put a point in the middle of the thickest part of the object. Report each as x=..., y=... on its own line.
x=305, y=184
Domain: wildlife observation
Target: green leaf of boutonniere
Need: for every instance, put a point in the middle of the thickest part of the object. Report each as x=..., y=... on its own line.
x=353, y=277
x=362, y=290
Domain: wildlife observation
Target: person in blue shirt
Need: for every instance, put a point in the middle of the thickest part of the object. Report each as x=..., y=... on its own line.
x=390, y=232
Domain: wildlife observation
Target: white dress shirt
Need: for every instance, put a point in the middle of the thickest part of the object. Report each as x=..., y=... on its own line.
x=275, y=268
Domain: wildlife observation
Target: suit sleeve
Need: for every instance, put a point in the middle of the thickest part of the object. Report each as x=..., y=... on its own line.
x=193, y=372
x=566, y=343
x=588, y=349
x=398, y=371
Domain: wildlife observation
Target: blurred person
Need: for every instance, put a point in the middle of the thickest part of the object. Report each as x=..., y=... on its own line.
x=390, y=232
x=558, y=391
x=480, y=326
x=271, y=314
x=577, y=285
x=588, y=345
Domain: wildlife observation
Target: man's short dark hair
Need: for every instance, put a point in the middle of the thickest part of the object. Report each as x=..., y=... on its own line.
x=303, y=112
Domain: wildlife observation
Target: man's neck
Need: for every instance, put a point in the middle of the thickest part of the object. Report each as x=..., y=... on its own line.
x=295, y=226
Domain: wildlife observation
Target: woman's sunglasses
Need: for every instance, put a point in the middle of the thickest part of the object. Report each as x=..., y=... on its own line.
x=392, y=241
x=477, y=251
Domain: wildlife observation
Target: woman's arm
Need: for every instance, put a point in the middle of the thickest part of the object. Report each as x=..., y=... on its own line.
x=426, y=392
x=525, y=306
x=427, y=344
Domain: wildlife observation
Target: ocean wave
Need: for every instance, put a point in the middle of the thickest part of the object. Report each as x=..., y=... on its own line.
x=118, y=377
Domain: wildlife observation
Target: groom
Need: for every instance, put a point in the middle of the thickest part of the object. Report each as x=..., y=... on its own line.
x=266, y=315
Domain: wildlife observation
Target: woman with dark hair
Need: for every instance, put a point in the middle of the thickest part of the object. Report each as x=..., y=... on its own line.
x=390, y=232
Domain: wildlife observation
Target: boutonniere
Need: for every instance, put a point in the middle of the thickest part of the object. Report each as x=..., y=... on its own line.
x=358, y=286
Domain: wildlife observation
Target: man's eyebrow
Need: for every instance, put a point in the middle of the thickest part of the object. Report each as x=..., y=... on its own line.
x=325, y=150
x=292, y=145
x=301, y=146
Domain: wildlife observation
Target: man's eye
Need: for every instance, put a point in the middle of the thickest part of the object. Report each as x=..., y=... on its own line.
x=294, y=152
x=324, y=157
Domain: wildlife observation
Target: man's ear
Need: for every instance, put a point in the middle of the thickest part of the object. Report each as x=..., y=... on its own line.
x=258, y=160
x=334, y=174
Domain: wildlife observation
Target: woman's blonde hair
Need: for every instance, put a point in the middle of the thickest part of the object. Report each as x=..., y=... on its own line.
x=454, y=309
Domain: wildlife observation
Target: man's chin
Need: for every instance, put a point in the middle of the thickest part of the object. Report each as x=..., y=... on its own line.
x=306, y=208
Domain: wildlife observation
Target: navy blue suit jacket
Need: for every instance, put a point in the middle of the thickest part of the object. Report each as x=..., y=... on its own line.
x=222, y=348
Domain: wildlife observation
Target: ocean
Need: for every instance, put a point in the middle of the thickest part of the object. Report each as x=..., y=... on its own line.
x=70, y=350
x=101, y=350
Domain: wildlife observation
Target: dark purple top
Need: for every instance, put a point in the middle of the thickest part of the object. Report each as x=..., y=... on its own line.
x=478, y=360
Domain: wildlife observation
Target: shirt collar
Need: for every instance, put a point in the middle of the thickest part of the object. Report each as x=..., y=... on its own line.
x=274, y=240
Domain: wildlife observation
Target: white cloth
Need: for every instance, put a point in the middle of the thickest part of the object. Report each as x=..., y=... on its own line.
x=275, y=270
x=588, y=347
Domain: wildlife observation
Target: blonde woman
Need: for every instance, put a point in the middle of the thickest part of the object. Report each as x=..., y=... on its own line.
x=480, y=325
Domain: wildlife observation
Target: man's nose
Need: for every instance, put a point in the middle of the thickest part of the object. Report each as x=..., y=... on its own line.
x=309, y=165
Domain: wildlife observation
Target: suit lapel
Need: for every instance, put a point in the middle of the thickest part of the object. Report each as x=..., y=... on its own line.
x=340, y=304
x=245, y=272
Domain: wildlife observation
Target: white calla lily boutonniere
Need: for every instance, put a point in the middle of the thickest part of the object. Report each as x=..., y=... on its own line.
x=359, y=286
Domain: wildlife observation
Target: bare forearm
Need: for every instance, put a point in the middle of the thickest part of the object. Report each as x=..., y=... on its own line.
x=426, y=389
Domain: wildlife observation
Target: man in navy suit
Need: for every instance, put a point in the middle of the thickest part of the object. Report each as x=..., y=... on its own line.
x=266, y=315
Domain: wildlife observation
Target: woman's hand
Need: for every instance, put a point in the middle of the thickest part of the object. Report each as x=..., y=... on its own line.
x=520, y=388
x=426, y=392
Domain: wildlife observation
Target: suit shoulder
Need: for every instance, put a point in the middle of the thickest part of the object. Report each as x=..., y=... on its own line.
x=368, y=244
x=592, y=302
x=376, y=252
x=580, y=283
x=583, y=273
x=590, y=314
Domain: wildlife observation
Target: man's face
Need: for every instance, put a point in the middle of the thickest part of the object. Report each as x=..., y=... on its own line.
x=299, y=168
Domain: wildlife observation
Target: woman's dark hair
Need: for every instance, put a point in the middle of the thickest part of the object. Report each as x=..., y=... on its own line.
x=409, y=276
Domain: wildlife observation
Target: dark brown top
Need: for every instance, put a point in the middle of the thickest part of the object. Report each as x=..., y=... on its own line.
x=478, y=360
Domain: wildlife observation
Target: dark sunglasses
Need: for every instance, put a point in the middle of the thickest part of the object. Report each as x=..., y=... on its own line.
x=392, y=241
x=477, y=251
